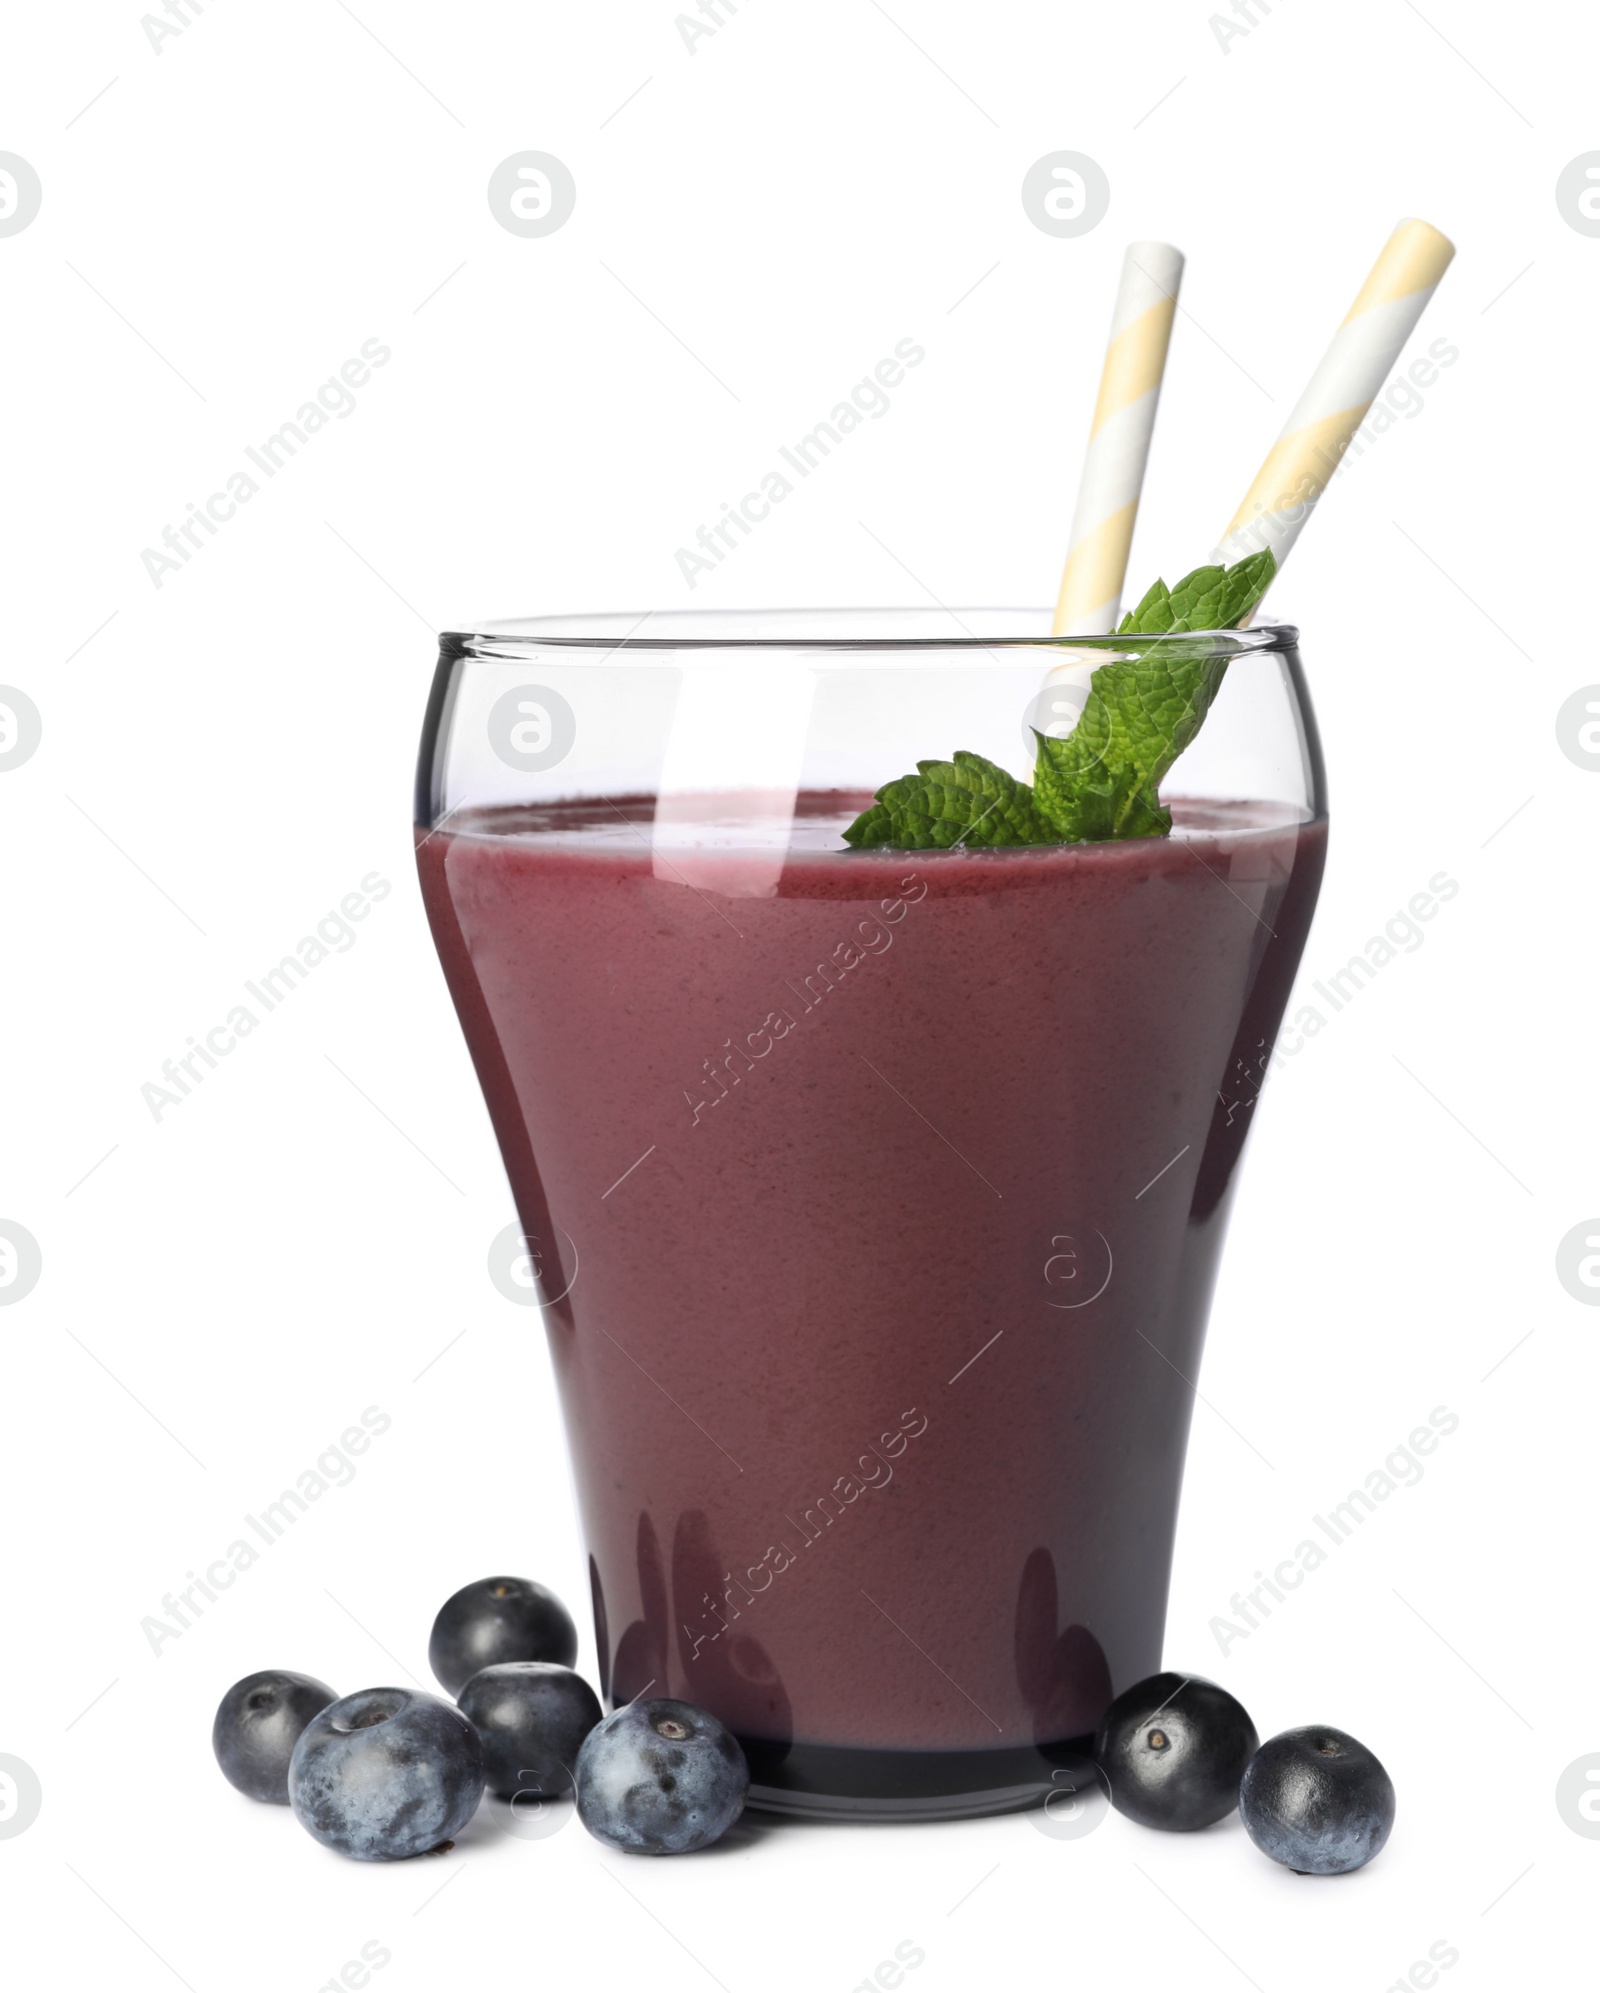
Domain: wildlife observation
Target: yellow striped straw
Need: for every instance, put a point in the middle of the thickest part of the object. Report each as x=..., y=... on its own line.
x=1327, y=415
x=1119, y=442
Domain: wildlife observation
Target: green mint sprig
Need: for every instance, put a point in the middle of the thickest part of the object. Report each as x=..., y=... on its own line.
x=1211, y=598
x=967, y=801
x=1101, y=782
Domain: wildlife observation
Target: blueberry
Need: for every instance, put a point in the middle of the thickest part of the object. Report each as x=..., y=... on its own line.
x=1317, y=1801
x=1173, y=1749
x=495, y=1620
x=386, y=1773
x=660, y=1778
x=532, y=1717
x=257, y=1726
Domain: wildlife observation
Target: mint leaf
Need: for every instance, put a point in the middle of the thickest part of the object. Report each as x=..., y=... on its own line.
x=1154, y=612
x=1211, y=598
x=1142, y=712
x=967, y=801
x=1101, y=781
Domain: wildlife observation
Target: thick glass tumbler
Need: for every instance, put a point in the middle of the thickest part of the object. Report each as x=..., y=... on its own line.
x=875, y=1196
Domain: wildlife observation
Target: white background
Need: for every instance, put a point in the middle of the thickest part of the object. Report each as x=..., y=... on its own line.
x=225, y=757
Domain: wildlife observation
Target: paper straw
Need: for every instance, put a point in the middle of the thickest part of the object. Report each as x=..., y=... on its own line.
x=1327, y=415
x=1119, y=442
x=755, y=718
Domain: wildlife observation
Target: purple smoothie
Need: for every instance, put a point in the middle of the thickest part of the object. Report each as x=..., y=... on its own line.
x=895, y=1199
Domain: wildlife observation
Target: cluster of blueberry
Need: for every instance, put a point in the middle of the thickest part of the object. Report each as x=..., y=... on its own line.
x=388, y=1773
x=1177, y=1752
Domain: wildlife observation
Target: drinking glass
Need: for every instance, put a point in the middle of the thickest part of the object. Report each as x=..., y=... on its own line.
x=874, y=1197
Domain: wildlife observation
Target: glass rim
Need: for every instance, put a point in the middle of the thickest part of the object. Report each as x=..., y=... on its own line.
x=611, y=634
